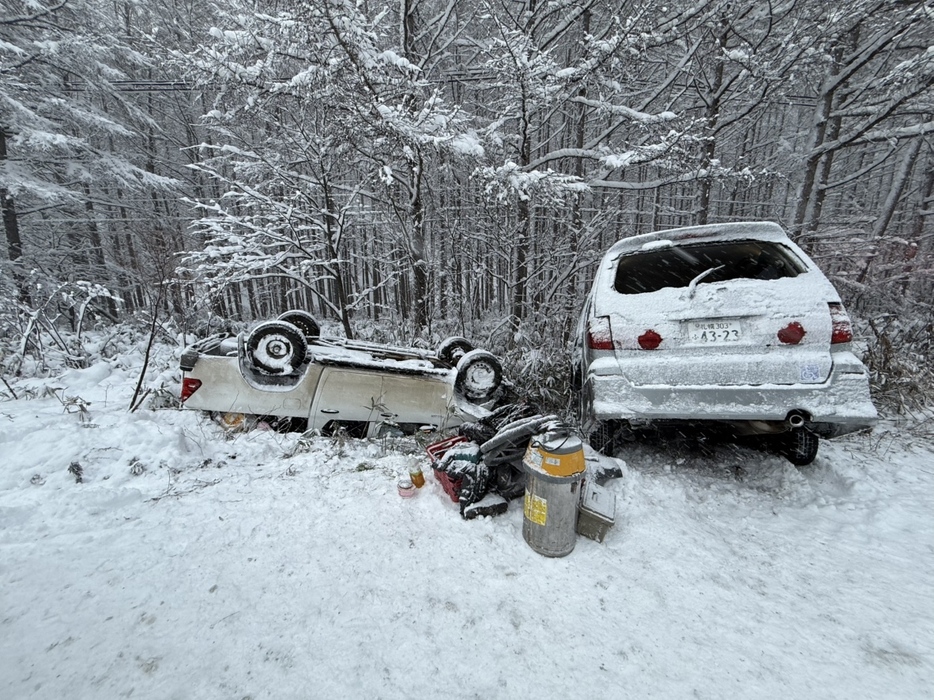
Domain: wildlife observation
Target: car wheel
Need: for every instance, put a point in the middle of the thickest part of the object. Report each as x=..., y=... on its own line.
x=451, y=350
x=276, y=347
x=799, y=446
x=479, y=375
x=304, y=321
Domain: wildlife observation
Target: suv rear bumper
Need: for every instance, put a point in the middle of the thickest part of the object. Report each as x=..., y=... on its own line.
x=842, y=400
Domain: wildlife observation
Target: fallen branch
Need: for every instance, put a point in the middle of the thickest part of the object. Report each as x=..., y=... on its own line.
x=7, y=385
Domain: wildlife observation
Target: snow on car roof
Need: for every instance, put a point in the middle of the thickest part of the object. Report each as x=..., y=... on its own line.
x=810, y=284
x=762, y=230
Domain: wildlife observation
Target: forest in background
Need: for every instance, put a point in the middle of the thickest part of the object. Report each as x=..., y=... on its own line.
x=412, y=169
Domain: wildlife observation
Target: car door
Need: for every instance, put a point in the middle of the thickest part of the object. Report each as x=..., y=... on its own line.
x=414, y=399
x=345, y=395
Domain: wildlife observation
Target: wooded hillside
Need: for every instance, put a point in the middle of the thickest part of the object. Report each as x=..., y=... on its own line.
x=432, y=166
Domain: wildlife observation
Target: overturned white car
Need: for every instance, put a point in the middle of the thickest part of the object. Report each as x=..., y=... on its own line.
x=284, y=372
x=726, y=328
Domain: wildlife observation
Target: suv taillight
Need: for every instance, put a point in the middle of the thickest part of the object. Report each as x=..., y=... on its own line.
x=841, y=327
x=599, y=336
x=189, y=387
x=650, y=340
x=792, y=334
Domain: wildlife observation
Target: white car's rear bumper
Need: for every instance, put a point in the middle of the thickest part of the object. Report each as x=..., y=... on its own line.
x=843, y=399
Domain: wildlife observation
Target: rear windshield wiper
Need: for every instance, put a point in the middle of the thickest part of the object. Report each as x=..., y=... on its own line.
x=692, y=285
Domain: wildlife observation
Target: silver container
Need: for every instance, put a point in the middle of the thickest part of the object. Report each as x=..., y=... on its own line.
x=555, y=467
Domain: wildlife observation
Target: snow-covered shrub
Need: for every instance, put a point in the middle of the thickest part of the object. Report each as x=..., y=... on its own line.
x=536, y=360
x=543, y=378
x=900, y=359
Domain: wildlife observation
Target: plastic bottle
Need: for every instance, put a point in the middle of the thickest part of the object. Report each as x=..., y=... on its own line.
x=415, y=474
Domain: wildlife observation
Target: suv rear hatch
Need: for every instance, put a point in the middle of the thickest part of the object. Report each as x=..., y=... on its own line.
x=719, y=312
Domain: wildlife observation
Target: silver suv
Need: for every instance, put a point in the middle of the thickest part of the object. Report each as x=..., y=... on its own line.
x=727, y=329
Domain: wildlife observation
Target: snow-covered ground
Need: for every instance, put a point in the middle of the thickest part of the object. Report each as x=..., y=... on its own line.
x=187, y=564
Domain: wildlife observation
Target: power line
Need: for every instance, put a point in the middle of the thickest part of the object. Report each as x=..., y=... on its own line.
x=140, y=86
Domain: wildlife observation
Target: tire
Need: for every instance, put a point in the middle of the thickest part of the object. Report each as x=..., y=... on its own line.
x=276, y=347
x=479, y=375
x=304, y=321
x=451, y=350
x=799, y=446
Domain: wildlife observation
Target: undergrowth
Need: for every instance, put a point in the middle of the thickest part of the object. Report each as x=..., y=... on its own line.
x=900, y=359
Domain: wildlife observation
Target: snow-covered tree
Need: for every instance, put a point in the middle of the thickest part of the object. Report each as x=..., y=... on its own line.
x=320, y=118
x=69, y=146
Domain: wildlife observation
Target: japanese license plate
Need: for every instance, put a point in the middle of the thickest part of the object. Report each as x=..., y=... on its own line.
x=714, y=332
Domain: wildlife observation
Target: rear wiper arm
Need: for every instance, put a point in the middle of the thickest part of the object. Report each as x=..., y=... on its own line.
x=692, y=286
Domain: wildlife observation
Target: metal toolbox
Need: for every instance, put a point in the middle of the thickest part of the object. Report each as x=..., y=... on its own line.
x=597, y=511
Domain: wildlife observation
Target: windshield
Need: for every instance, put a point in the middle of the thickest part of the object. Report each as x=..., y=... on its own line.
x=676, y=266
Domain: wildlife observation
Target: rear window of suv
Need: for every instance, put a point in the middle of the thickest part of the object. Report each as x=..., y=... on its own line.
x=677, y=265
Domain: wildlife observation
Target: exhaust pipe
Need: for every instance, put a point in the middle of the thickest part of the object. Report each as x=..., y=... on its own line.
x=796, y=419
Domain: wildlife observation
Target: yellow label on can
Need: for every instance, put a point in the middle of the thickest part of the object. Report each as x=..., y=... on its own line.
x=564, y=465
x=554, y=464
x=535, y=509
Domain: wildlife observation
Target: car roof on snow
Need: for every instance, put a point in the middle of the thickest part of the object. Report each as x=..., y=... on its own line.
x=760, y=230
